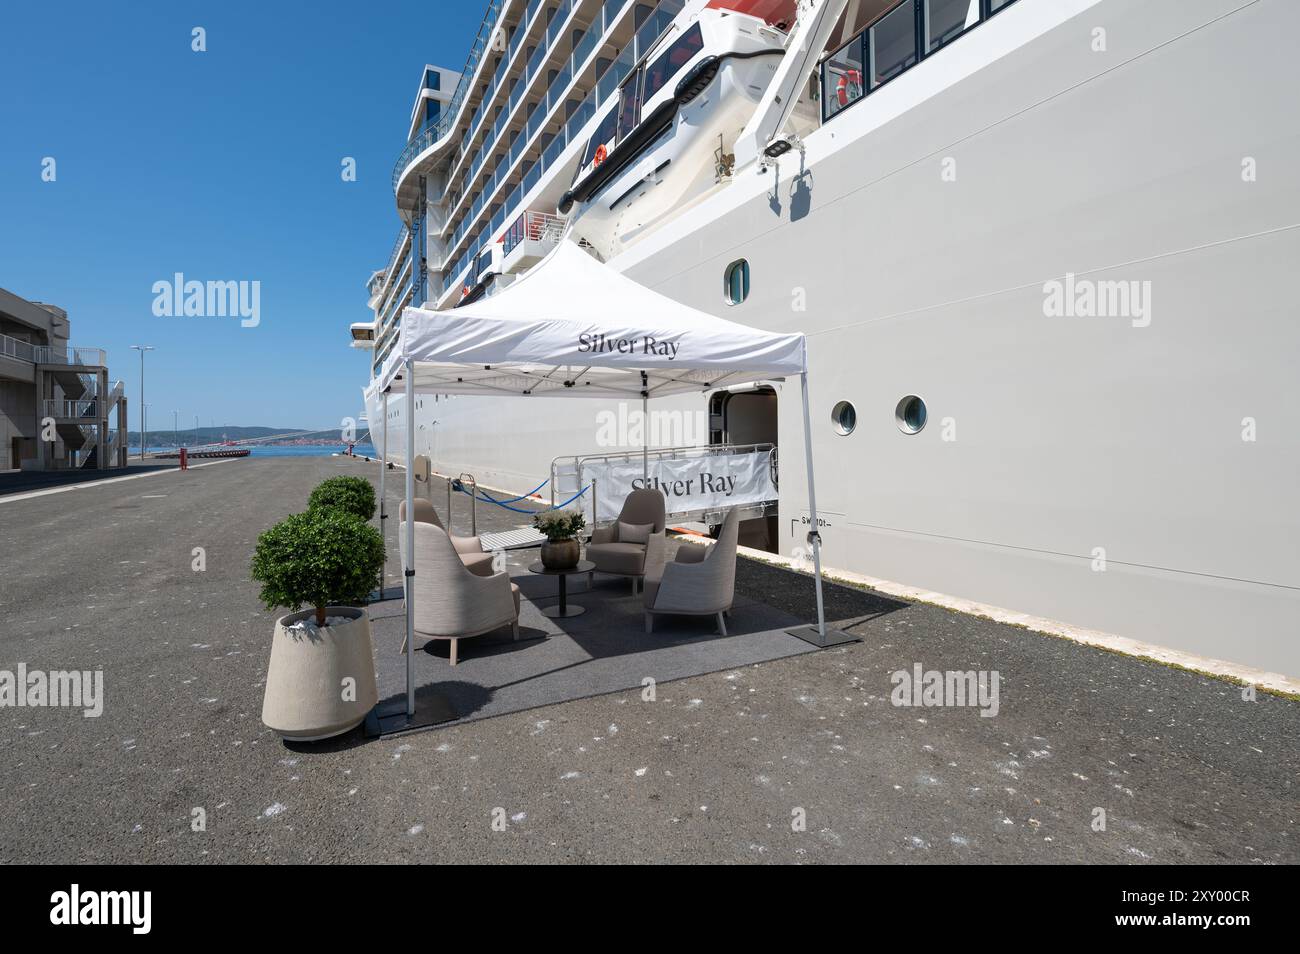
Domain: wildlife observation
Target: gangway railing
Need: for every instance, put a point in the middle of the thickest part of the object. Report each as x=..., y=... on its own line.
x=567, y=477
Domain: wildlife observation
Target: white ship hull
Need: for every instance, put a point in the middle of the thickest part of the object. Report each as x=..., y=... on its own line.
x=1133, y=474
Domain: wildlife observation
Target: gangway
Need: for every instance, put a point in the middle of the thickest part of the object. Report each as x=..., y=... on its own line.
x=571, y=473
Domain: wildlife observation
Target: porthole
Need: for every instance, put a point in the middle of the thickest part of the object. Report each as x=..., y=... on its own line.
x=844, y=417
x=736, y=282
x=910, y=414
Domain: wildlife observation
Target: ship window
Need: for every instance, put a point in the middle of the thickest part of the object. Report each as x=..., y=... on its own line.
x=910, y=414
x=891, y=44
x=629, y=105
x=667, y=66
x=737, y=282
x=844, y=77
x=946, y=20
x=845, y=418
x=603, y=134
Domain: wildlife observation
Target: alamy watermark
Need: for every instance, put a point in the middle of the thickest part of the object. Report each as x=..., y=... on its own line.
x=126, y=908
x=922, y=688
x=212, y=299
x=632, y=427
x=36, y=688
x=1086, y=298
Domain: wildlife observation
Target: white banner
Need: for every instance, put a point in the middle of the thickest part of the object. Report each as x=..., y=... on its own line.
x=689, y=484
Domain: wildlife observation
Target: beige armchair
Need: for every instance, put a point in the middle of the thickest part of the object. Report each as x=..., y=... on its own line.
x=701, y=581
x=469, y=548
x=451, y=602
x=627, y=557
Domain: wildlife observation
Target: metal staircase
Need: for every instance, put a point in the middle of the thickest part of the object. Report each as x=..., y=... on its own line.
x=81, y=411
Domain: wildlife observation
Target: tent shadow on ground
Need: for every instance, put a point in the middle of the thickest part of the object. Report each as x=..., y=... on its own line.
x=429, y=702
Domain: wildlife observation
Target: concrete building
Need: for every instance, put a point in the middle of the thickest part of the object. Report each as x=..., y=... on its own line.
x=55, y=401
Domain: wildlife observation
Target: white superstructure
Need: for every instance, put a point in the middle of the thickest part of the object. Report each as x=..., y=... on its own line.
x=1042, y=250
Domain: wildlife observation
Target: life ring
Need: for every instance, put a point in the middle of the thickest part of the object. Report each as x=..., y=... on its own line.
x=601, y=155
x=849, y=78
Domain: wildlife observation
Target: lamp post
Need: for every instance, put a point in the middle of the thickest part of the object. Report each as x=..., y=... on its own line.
x=176, y=440
x=196, y=430
x=142, y=349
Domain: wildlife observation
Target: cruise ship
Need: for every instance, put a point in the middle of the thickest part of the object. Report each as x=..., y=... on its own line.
x=1042, y=251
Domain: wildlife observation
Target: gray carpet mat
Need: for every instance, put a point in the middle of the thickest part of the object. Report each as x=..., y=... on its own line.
x=606, y=649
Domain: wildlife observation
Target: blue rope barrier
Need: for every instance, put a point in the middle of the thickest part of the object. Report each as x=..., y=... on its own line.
x=529, y=512
x=505, y=500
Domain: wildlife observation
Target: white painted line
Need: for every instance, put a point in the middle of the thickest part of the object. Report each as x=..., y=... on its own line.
x=1051, y=627
x=109, y=480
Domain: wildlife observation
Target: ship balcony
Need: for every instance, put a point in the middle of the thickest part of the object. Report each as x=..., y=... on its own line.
x=529, y=240
x=472, y=233
x=430, y=141
x=500, y=162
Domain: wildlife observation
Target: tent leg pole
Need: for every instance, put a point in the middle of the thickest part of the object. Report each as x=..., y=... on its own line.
x=383, y=499
x=409, y=570
x=645, y=436
x=818, y=635
x=815, y=535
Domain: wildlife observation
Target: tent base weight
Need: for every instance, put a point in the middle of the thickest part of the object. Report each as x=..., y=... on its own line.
x=834, y=637
x=390, y=718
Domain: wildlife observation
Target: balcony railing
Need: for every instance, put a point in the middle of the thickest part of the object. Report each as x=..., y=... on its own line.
x=87, y=408
x=21, y=350
x=536, y=63
x=651, y=30
x=402, y=235
x=46, y=354
x=533, y=227
x=897, y=40
x=433, y=131
x=91, y=357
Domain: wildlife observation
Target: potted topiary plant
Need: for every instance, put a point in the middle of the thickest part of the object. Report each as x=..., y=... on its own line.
x=353, y=494
x=561, y=527
x=321, y=678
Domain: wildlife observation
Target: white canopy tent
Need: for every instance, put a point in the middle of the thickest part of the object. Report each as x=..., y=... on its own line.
x=572, y=327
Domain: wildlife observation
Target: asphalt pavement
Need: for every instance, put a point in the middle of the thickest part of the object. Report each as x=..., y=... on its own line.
x=805, y=759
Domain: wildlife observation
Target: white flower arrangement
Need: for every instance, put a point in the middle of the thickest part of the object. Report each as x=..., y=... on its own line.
x=560, y=525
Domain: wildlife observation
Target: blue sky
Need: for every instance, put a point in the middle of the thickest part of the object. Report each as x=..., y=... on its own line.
x=223, y=165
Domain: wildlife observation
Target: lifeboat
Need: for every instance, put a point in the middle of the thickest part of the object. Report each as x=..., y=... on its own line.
x=669, y=136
